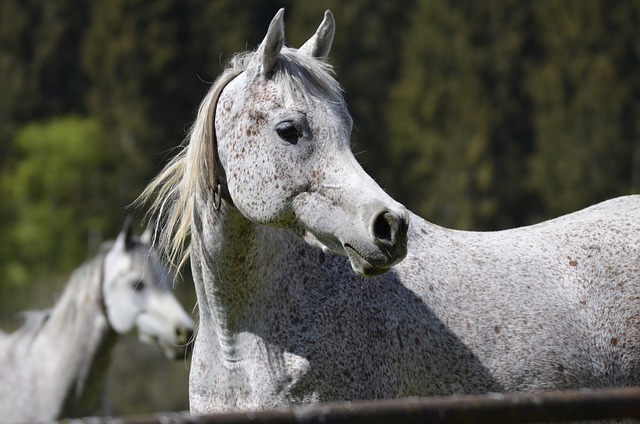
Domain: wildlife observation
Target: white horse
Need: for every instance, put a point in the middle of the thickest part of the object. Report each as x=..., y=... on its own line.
x=54, y=365
x=268, y=177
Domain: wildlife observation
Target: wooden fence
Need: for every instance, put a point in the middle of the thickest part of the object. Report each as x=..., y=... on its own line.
x=490, y=408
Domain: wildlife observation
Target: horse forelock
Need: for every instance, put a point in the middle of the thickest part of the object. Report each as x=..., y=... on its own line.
x=174, y=190
x=302, y=74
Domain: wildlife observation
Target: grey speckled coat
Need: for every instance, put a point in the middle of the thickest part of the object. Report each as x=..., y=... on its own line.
x=284, y=319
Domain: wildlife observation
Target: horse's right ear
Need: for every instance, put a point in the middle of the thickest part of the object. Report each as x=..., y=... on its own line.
x=269, y=50
x=320, y=44
x=125, y=238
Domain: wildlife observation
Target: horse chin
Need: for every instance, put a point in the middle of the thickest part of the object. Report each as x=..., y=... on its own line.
x=361, y=266
x=171, y=350
x=175, y=353
x=313, y=241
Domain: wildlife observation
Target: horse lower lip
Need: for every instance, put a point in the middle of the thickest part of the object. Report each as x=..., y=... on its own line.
x=361, y=265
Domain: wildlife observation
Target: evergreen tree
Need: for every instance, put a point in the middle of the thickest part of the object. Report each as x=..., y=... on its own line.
x=585, y=88
x=55, y=192
x=457, y=118
x=39, y=45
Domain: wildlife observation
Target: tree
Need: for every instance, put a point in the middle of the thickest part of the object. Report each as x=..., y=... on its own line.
x=584, y=88
x=457, y=116
x=55, y=194
x=39, y=45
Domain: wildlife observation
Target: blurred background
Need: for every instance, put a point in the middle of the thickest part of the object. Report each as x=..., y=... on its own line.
x=476, y=115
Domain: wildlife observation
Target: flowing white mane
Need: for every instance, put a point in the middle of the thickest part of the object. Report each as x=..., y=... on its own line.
x=83, y=284
x=173, y=190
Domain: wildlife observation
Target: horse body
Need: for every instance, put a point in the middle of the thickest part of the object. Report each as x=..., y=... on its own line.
x=529, y=309
x=286, y=320
x=54, y=365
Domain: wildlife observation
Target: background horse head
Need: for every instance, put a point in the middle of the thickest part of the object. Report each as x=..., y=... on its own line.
x=54, y=365
x=137, y=294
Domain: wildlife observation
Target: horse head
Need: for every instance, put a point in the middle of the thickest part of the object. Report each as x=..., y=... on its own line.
x=137, y=294
x=282, y=132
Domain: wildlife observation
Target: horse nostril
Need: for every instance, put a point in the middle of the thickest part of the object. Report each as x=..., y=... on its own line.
x=390, y=230
x=385, y=227
x=183, y=335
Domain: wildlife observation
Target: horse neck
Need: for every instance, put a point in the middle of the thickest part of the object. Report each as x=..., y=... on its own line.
x=79, y=328
x=230, y=259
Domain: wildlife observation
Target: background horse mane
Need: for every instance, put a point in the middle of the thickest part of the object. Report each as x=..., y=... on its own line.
x=175, y=187
x=79, y=291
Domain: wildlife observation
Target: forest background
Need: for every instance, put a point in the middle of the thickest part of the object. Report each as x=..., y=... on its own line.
x=476, y=115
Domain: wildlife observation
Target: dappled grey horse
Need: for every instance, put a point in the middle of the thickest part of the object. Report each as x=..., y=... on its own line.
x=54, y=365
x=284, y=224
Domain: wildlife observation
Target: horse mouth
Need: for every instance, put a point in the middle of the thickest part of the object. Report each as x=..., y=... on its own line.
x=361, y=266
x=175, y=353
x=172, y=349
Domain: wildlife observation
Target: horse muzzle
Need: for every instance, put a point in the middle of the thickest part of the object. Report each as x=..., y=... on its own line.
x=388, y=231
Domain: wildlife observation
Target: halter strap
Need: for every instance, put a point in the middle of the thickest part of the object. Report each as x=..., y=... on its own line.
x=217, y=176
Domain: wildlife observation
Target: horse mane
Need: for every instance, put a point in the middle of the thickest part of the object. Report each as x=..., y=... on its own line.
x=33, y=320
x=78, y=284
x=172, y=192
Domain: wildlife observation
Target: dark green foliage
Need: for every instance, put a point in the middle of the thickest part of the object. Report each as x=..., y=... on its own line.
x=55, y=192
x=459, y=120
x=507, y=113
x=585, y=89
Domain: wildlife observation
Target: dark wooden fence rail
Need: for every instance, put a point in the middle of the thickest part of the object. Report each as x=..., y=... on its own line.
x=490, y=408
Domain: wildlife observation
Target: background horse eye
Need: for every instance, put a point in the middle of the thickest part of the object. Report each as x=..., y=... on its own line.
x=288, y=132
x=138, y=285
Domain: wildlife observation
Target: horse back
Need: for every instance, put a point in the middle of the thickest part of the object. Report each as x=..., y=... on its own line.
x=549, y=306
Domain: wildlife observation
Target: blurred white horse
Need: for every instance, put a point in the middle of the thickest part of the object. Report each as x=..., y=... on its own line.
x=267, y=186
x=54, y=365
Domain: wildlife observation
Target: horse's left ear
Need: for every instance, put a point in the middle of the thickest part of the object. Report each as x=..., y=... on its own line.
x=269, y=49
x=320, y=44
x=125, y=238
x=147, y=236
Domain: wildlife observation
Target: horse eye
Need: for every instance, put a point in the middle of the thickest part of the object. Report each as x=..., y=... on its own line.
x=288, y=132
x=138, y=286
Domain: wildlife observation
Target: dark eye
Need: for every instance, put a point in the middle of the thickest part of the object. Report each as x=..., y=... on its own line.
x=138, y=286
x=288, y=132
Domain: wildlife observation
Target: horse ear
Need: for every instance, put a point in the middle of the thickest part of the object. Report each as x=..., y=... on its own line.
x=147, y=236
x=125, y=238
x=320, y=44
x=273, y=42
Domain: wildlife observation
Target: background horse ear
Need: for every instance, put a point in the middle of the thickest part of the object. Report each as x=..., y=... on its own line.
x=273, y=42
x=147, y=236
x=320, y=44
x=125, y=238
